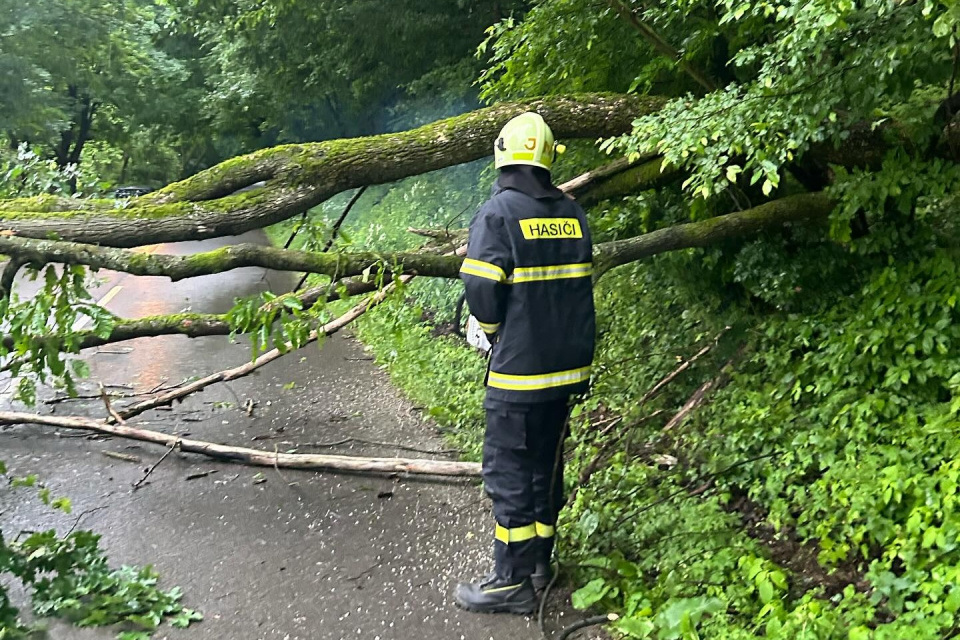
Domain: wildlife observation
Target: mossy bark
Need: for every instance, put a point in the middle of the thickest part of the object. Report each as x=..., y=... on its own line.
x=743, y=224
x=335, y=265
x=196, y=325
x=648, y=175
x=298, y=177
x=803, y=208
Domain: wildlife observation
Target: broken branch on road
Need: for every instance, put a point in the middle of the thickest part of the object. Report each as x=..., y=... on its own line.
x=156, y=464
x=254, y=457
x=110, y=410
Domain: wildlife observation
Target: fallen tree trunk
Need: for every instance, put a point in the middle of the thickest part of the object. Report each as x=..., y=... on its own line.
x=197, y=325
x=237, y=256
x=801, y=208
x=743, y=224
x=302, y=176
x=254, y=457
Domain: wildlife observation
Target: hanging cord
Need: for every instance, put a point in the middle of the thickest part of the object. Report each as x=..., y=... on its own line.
x=553, y=487
x=458, y=316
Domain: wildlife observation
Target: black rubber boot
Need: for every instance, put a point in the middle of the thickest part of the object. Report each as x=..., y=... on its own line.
x=494, y=594
x=542, y=576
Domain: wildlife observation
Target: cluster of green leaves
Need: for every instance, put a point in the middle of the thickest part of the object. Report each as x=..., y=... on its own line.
x=776, y=107
x=524, y=58
x=271, y=319
x=69, y=577
x=39, y=335
x=27, y=172
x=316, y=70
x=103, y=84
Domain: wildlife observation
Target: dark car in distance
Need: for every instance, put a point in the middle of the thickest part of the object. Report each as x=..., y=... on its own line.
x=131, y=192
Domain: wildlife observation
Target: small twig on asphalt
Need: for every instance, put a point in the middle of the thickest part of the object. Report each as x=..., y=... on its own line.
x=115, y=396
x=201, y=474
x=234, y=394
x=365, y=571
x=276, y=466
x=266, y=436
x=126, y=457
x=155, y=465
x=248, y=406
x=82, y=515
x=106, y=402
x=115, y=352
x=589, y=622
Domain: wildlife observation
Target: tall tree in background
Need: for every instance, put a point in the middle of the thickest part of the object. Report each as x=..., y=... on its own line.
x=296, y=71
x=89, y=70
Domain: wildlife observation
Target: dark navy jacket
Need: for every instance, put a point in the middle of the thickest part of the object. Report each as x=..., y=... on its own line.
x=528, y=279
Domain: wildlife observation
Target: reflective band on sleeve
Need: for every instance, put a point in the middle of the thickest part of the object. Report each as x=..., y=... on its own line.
x=544, y=530
x=518, y=534
x=487, y=327
x=483, y=270
x=539, y=381
x=552, y=272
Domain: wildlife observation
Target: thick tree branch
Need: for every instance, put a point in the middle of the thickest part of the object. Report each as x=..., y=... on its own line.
x=224, y=259
x=648, y=175
x=607, y=255
x=302, y=176
x=744, y=224
x=254, y=457
x=197, y=325
x=9, y=276
x=741, y=225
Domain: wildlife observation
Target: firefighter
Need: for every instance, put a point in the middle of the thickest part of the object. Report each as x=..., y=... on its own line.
x=528, y=283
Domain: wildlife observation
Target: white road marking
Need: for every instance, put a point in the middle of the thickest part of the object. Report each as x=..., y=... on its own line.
x=102, y=302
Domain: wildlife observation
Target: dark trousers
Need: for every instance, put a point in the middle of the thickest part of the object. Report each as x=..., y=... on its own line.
x=523, y=475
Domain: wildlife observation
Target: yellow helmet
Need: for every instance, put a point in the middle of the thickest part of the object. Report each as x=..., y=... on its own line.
x=526, y=140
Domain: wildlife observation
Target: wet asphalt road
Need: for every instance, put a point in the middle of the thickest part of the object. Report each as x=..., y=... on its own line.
x=264, y=554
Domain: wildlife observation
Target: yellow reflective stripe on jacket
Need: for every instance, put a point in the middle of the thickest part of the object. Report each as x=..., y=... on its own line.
x=517, y=534
x=544, y=530
x=538, y=381
x=552, y=272
x=489, y=328
x=483, y=270
x=501, y=589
